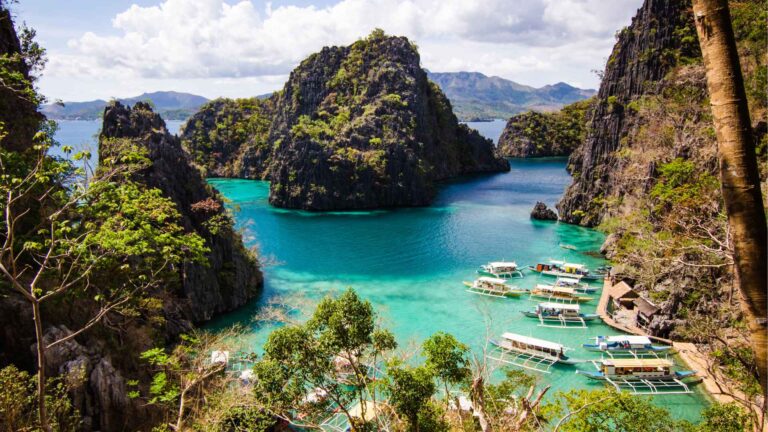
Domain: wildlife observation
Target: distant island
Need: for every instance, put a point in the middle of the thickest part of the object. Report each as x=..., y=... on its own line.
x=477, y=97
x=170, y=105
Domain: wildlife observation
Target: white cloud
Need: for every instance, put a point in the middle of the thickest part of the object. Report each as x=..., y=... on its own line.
x=196, y=40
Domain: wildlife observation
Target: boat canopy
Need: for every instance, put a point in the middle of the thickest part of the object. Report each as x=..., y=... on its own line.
x=569, y=281
x=492, y=280
x=532, y=341
x=557, y=262
x=556, y=289
x=636, y=363
x=559, y=306
x=503, y=264
x=573, y=266
x=634, y=340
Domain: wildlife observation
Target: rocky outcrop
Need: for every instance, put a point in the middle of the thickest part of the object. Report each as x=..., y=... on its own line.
x=535, y=134
x=354, y=127
x=18, y=101
x=659, y=36
x=542, y=212
x=231, y=276
x=228, y=137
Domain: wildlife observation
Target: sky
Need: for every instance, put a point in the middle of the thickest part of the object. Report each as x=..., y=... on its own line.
x=240, y=48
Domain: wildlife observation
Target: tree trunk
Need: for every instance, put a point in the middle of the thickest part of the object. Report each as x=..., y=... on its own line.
x=41, y=408
x=738, y=167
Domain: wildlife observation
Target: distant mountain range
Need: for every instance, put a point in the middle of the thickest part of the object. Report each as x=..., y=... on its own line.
x=475, y=96
x=169, y=104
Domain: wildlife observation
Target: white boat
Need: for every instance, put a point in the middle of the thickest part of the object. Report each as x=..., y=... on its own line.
x=558, y=312
x=553, y=293
x=556, y=268
x=576, y=284
x=637, y=369
x=493, y=287
x=533, y=347
x=625, y=343
x=501, y=270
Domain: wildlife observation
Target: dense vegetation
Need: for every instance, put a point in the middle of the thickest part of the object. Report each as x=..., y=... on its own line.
x=535, y=134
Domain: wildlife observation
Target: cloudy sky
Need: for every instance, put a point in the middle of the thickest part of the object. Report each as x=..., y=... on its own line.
x=115, y=48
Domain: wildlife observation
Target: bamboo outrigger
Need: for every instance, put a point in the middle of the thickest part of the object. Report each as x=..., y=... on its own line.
x=642, y=376
x=557, y=268
x=625, y=343
x=528, y=352
x=501, y=270
x=558, y=315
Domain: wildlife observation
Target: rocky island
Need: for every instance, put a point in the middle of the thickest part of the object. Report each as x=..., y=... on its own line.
x=355, y=127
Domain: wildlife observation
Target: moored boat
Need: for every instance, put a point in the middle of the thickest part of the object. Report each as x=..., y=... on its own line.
x=533, y=348
x=560, y=312
x=501, y=270
x=493, y=287
x=557, y=268
x=633, y=369
x=558, y=294
x=625, y=343
x=576, y=284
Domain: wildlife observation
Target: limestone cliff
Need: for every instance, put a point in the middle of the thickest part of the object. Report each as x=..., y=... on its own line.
x=231, y=275
x=354, y=127
x=644, y=53
x=537, y=134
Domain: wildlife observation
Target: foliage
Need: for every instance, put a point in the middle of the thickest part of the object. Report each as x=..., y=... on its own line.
x=447, y=358
x=18, y=403
x=728, y=417
x=410, y=390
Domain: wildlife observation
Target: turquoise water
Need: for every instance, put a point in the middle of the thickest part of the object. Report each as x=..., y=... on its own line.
x=410, y=263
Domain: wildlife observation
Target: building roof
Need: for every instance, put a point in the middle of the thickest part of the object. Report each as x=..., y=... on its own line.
x=645, y=307
x=623, y=290
x=532, y=341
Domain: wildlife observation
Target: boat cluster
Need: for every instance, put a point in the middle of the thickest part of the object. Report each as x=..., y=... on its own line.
x=628, y=362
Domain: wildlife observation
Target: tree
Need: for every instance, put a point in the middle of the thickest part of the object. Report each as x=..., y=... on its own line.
x=335, y=350
x=106, y=241
x=410, y=390
x=738, y=168
x=447, y=357
x=18, y=395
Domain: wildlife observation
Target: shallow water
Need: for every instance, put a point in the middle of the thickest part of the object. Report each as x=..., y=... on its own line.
x=410, y=263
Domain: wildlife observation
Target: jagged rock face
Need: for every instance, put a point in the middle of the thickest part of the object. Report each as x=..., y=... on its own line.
x=231, y=276
x=643, y=55
x=542, y=212
x=362, y=127
x=535, y=134
x=228, y=137
x=18, y=108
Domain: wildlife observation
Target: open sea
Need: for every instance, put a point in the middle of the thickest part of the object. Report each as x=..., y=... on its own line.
x=410, y=263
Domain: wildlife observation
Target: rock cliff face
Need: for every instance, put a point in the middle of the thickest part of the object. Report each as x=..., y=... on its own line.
x=535, y=134
x=354, y=127
x=660, y=34
x=228, y=137
x=18, y=102
x=231, y=276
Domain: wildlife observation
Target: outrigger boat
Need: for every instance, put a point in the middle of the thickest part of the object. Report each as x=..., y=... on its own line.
x=564, y=269
x=576, y=284
x=552, y=293
x=563, y=314
x=528, y=352
x=501, y=270
x=642, y=376
x=494, y=287
x=625, y=343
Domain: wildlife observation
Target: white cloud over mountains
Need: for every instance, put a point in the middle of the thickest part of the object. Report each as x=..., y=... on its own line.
x=531, y=41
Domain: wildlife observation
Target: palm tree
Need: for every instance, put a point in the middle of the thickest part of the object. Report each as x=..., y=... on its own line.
x=738, y=168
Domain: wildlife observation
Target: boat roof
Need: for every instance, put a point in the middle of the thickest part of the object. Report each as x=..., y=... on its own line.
x=568, y=280
x=550, y=305
x=629, y=338
x=557, y=262
x=574, y=265
x=634, y=362
x=503, y=264
x=553, y=288
x=492, y=280
x=532, y=341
